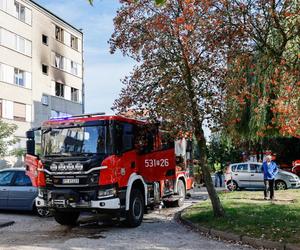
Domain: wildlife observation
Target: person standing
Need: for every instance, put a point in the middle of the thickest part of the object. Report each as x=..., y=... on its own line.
x=270, y=170
x=218, y=173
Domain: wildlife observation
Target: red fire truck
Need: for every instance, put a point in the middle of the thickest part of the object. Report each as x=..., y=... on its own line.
x=104, y=164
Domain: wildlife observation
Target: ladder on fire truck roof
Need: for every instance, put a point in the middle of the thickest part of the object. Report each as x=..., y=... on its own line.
x=81, y=115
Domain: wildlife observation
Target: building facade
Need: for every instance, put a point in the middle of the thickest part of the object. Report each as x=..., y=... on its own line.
x=41, y=66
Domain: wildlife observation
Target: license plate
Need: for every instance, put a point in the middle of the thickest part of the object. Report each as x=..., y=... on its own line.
x=70, y=181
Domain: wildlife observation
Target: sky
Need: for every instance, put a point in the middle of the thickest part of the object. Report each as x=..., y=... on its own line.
x=103, y=71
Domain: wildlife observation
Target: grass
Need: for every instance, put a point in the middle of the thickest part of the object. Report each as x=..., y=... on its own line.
x=248, y=214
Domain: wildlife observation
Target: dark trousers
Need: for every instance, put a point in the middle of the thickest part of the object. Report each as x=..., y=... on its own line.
x=269, y=187
x=218, y=177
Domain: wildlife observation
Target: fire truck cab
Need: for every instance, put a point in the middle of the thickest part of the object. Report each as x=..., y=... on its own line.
x=104, y=164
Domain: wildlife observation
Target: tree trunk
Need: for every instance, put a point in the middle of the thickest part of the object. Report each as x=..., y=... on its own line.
x=215, y=201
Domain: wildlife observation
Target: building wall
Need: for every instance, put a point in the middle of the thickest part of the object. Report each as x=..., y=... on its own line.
x=36, y=90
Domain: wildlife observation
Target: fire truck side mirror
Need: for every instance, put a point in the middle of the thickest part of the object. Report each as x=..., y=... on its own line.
x=30, y=143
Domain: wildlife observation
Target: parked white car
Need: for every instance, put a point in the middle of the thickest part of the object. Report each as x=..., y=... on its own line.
x=250, y=175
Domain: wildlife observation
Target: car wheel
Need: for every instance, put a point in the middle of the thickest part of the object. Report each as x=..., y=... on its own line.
x=135, y=214
x=232, y=185
x=280, y=185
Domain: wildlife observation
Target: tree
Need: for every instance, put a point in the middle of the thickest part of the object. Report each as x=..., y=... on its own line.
x=6, y=137
x=264, y=80
x=179, y=68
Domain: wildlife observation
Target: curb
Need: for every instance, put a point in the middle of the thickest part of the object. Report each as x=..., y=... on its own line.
x=254, y=242
x=6, y=223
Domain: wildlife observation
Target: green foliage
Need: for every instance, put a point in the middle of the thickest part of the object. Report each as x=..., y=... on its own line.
x=18, y=152
x=222, y=149
x=6, y=137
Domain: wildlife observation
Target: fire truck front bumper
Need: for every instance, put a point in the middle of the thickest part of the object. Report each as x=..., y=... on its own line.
x=107, y=204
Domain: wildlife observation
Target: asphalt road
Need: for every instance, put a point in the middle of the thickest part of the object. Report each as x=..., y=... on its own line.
x=158, y=231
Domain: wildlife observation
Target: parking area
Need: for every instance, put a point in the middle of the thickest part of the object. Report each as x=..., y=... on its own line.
x=158, y=231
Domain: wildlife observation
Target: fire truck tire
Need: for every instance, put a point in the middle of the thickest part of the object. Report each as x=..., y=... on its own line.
x=181, y=192
x=66, y=218
x=135, y=214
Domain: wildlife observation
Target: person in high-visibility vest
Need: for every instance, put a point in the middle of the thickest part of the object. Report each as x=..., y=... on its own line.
x=218, y=173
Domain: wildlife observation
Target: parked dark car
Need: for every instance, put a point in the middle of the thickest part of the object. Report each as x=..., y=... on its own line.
x=17, y=192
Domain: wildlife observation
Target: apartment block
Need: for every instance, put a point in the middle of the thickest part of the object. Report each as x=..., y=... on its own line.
x=41, y=66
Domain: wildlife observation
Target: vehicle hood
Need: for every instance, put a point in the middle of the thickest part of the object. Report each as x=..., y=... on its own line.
x=286, y=174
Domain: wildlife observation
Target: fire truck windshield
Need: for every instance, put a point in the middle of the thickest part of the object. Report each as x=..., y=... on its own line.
x=77, y=140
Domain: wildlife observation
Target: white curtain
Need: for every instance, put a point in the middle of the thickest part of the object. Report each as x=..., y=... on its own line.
x=28, y=113
x=8, y=109
x=27, y=16
x=28, y=49
x=68, y=92
x=67, y=38
x=28, y=80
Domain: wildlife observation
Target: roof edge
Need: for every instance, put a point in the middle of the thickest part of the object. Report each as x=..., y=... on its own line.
x=54, y=15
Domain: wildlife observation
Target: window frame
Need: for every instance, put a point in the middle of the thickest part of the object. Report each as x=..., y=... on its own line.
x=244, y=171
x=59, y=33
x=119, y=138
x=45, y=66
x=13, y=183
x=19, y=118
x=74, y=42
x=47, y=39
x=18, y=10
x=17, y=79
x=73, y=92
x=61, y=89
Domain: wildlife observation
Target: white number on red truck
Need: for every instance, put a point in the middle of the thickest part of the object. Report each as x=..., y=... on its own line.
x=150, y=163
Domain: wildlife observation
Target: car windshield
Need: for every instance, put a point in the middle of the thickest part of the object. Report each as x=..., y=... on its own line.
x=77, y=140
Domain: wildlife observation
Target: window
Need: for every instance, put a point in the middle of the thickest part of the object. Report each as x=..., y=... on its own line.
x=45, y=100
x=59, y=61
x=6, y=178
x=59, y=34
x=74, y=42
x=45, y=39
x=74, y=68
x=45, y=69
x=74, y=95
x=20, y=44
x=255, y=168
x=242, y=168
x=233, y=168
x=20, y=11
x=19, y=76
x=59, y=89
x=19, y=112
x=125, y=137
x=22, y=179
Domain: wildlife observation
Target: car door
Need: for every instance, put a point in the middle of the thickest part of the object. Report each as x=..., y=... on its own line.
x=21, y=193
x=256, y=176
x=6, y=178
x=241, y=175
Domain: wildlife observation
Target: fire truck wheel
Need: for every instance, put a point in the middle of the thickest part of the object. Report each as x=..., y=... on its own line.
x=181, y=192
x=66, y=218
x=135, y=214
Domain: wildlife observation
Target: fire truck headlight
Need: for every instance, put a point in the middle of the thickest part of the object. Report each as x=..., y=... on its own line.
x=53, y=167
x=104, y=193
x=78, y=166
